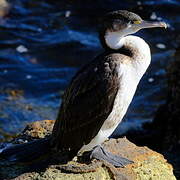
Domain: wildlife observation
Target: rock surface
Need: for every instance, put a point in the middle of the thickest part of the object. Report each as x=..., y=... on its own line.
x=4, y=8
x=166, y=124
x=169, y=113
x=147, y=164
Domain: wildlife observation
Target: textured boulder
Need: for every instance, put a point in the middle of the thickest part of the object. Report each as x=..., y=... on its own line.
x=166, y=124
x=168, y=116
x=147, y=163
x=4, y=8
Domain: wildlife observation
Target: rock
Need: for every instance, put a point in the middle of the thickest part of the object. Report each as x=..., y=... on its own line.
x=166, y=123
x=147, y=164
x=4, y=8
x=35, y=130
x=172, y=135
x=38, y=129
x=167, y=118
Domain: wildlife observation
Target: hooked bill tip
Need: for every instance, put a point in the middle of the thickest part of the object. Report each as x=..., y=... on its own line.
x=163, y=24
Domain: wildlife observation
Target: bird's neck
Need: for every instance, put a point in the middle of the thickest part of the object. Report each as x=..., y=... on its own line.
x=114, y=40
x=135, y=47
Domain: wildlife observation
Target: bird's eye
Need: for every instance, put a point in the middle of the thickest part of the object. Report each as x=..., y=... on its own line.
x=115, y=26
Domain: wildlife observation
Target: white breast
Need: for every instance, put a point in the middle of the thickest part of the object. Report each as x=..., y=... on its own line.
x=128, y=83
x=124, y=96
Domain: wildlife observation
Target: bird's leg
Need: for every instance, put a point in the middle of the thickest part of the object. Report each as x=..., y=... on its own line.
x=101, y=154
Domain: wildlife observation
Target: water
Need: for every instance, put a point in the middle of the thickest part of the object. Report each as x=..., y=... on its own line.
x=43, y=44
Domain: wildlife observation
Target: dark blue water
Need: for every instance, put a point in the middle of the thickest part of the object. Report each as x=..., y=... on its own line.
x=43, y=44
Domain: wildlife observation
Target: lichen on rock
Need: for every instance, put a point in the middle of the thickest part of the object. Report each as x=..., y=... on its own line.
x=147, y=164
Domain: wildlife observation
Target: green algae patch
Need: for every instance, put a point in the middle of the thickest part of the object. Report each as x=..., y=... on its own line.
x=154, y=168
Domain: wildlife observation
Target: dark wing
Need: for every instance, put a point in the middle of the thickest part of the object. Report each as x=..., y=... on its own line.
x=86, y=104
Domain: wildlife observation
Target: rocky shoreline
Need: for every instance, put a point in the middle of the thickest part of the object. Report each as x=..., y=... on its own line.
x=147, y=164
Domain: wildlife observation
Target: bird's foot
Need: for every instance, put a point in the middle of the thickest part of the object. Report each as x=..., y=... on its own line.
x=101, y=154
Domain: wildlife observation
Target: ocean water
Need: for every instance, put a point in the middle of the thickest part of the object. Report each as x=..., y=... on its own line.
x=44, y=43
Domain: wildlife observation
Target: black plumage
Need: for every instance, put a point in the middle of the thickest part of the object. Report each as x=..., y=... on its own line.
x=86, y=104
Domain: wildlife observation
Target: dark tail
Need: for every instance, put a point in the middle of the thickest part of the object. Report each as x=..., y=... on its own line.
x=26, y=152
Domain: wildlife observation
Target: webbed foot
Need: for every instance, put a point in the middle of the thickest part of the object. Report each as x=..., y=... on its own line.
x=101, y=154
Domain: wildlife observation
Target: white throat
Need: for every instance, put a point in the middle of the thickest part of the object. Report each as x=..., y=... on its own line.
x=141, y=57
x=114, y=40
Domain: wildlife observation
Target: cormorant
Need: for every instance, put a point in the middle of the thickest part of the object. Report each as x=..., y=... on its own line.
x=99, y=94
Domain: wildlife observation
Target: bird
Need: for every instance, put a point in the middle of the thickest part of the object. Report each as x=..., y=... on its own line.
x=99, y=94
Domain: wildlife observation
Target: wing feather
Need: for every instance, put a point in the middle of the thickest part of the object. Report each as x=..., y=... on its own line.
x=86, y=104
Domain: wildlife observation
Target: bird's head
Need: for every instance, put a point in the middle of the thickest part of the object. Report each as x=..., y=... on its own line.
x=118, y=24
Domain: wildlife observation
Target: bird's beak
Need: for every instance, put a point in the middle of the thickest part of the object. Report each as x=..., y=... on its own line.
x=149, y=24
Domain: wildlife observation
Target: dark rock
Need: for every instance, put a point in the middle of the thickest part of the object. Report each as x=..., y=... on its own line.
x=167, y=119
